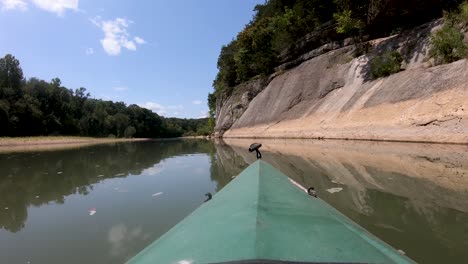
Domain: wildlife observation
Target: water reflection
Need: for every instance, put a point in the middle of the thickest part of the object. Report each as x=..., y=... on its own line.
x=123, y=239
x=413, y=196
x=33, y=179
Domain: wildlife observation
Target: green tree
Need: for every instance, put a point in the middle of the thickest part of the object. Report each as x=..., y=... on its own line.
x=129, y=132
x=11, y=74
x=255, y=54
x=120, y=122
x=227, y=72
x=4, y=117
x=346, y=24
x=11, y=80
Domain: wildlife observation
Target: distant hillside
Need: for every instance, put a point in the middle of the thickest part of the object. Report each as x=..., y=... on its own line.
x=38, y=108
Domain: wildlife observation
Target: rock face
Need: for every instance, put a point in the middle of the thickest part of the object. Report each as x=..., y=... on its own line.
x=332, y=96
x=229, y=110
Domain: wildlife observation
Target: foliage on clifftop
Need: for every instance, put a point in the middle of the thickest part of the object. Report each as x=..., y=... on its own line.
x=448, y=42
x=35, y=107
x=279, y=24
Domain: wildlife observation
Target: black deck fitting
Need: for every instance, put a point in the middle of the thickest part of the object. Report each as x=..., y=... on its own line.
x=255, y=147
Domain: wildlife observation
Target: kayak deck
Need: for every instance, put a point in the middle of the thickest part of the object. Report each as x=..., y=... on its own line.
x=261, y=215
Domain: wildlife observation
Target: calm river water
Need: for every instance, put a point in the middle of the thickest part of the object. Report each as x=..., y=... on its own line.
x=105, y=203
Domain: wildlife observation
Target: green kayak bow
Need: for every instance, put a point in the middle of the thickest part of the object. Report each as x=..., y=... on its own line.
x=263, y=217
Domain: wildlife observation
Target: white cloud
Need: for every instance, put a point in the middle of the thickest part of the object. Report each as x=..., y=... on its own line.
x=162, y=109
x=57, y=6
x=155, y=107
x=13, y=5
x=89, y=51
x=156, y=169
x=120, y=238
x=116, y=35
x=120, y=88
x=139, y=40
x=197, y=102
x=175, y=107
x=203, y=114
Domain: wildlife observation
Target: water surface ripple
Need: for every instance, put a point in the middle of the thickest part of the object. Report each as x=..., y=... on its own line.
x=105, y=203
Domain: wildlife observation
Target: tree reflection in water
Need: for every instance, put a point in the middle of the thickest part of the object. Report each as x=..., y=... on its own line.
x=33, y=179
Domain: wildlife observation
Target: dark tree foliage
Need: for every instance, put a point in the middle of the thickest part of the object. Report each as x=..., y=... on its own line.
x=175, y=127
x=279, y=24
x=35, y=107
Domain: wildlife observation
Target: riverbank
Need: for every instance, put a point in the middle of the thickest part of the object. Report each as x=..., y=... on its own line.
x=18, y=144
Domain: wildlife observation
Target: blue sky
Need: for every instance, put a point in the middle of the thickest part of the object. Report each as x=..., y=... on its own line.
x=159, y=54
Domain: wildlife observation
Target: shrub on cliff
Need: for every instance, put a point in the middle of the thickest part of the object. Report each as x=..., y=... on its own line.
x=448, y=42
x=447, y=45
x=385, y=64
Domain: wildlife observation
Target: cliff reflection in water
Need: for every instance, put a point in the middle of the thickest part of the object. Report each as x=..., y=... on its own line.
x=413, y=196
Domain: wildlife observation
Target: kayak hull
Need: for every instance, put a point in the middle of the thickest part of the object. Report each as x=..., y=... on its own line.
x=262, y=216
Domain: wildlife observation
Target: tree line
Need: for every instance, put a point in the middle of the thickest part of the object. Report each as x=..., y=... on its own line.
x=35, y=107
x=278, y=24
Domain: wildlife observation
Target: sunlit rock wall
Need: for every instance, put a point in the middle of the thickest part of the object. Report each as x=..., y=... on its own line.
x=332, y=96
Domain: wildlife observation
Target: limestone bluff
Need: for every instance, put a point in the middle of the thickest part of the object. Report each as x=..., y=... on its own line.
x=328, y=93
